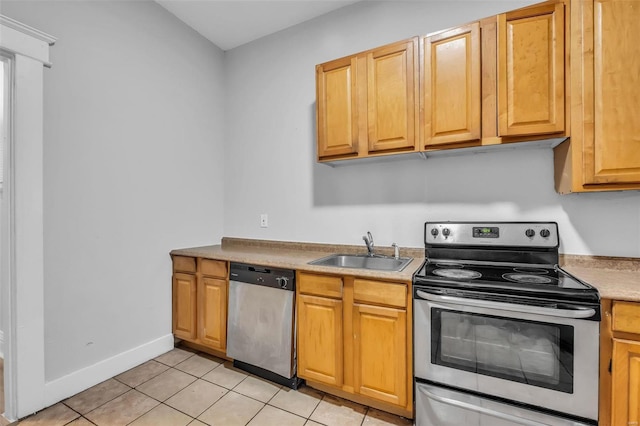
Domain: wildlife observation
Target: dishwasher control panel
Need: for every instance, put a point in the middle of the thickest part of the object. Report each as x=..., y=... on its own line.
x=263, y=275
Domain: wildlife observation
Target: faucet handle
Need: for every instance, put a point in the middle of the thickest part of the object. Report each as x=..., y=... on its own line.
x=396, y=251
x=370, y=238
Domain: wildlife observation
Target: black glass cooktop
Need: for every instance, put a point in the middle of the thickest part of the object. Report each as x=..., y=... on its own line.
x=504, y=278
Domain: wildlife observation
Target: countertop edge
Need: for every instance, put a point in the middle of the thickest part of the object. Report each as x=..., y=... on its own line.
x=615, y=278
x=294, y=255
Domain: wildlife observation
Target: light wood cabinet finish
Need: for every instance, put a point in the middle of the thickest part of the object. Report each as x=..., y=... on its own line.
x=212, y=312
x=612, y=155
x=379, y=293
x=367, y=103
x=620, y=364
x=626, y=383
x=380, y=339
x=320, y=285
x=626, y=317
x=604, y=151
x=356, y=343
x=450, y=89
x=391, y=97
x=337, y=107
x=184, y=264
x=184, y=305
x=531, y=71
x=320, y=339
x=213, y=268
x=200, y=302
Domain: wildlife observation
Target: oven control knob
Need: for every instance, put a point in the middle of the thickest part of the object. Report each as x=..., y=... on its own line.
x=544, y=233
x=446, y=232
x=434, y=232
x=530, y=233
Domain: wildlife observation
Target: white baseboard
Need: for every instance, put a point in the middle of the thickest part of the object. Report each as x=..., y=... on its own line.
x=71, y=384
x=2, y=344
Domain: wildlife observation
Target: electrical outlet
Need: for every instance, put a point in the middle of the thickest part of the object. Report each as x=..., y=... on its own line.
x=264, y=220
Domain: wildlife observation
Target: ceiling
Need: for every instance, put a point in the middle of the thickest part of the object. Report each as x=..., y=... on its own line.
x=229, y=24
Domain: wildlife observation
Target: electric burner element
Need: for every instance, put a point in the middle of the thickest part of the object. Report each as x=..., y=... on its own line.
x=527, y=278
x=458, y=274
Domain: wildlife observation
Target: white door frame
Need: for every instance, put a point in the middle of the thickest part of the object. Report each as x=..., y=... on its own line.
x=22, y=241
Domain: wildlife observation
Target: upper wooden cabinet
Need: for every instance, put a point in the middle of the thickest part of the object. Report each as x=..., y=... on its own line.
x=392, y=91
x=531, y=83
x=604, y=152
x=337, y=107
x=366, y=104
x=450, y=86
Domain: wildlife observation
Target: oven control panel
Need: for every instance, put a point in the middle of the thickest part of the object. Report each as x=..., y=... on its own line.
x=513, y=234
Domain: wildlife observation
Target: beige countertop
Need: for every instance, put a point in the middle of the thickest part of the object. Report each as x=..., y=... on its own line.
x=615, y=278
x=290, y=255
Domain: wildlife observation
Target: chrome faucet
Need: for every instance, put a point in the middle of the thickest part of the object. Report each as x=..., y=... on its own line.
x=368, y=240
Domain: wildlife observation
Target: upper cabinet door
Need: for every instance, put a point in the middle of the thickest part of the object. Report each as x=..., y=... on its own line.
x=611, y=151
x=451, y=87
x=531, y=71
x=337, y=107
x=391, y=96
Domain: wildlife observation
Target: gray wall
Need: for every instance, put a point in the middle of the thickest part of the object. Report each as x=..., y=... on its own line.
x=271, y=147
x=132, y=169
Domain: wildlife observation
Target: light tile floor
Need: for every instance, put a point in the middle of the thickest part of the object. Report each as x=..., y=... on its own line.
x=183, y=387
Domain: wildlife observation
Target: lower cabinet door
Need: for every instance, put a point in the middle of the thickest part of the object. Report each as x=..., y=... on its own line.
x=380, y=353
x=212, y=313
x=626, y=383
x=320, y=347
x=184, y=306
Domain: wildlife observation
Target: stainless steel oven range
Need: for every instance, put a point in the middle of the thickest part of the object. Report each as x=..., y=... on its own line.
x=502, y=335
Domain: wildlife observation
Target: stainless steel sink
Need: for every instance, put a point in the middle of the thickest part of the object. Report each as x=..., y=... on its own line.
x=363, y=261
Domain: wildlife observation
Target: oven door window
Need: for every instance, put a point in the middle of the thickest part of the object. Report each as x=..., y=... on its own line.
x=535, y=353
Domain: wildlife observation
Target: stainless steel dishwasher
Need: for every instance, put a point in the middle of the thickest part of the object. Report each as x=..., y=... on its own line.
x=261, y=324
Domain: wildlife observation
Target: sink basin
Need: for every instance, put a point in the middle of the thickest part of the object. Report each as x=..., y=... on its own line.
x=363, y=261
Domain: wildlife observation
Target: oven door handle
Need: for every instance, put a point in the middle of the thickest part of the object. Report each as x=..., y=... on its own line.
x=483, y=410
x=578, y=313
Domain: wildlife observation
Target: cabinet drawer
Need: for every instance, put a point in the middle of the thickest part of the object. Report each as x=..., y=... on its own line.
x=320, y=285
x=626, y=317
x=380, y=293
x=213, y=268
x=184, y=264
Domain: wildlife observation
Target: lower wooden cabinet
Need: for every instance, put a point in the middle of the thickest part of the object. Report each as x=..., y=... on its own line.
x=626, y=382
x=379, y=353
x=320, y=339
x=200, y=288
x=184, y=305
x=354, y=339
x=620, y=349
x=212, y=312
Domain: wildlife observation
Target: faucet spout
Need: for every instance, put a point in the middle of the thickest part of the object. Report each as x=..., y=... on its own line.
x=368, y=240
